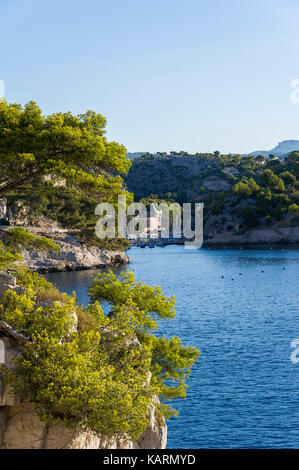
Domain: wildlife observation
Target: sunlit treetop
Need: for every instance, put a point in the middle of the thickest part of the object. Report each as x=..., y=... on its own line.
x=72, y=147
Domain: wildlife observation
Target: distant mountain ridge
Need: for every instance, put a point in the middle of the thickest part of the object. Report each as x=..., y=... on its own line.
x=281, y=150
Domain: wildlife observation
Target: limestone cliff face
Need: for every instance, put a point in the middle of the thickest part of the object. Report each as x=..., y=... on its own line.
x=176, y=175
x=20, y=427
x=72, y=256
x=228, y=228
x=197, y=179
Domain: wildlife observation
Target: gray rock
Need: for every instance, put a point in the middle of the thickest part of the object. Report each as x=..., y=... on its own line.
x=3, y=209
x=6, y=278
x=18, y=214
x=72, y=256
x=20, y=428
x=215, y=184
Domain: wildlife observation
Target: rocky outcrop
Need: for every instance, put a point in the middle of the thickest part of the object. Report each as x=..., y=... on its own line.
x=20, y=427
x=215, y=184
x=229, y=228
x=210, y=180
x=72, y=256
x=7, y=281
x=17, y=213
x=179, y=175
x=259, y=236
x=3, y=209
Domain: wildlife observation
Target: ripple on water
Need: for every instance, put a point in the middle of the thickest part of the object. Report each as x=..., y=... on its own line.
x=244, y=391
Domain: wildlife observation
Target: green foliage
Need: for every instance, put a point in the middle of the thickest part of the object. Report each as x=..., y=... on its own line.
x=62, y=166
x=281, y=199
x=250, y=216
x=296, y=170
x=274, y=165
x=80, y=378
x=8, y=256
x=242, y=189
x=295, y=196
x=263, y=201
x=288, y=177
x=98, y=376
x=12, y=240
x=268, y=179
x=71, y=147
x=73, y=208
x=246, y=187
x=294, y=211
x=147, y=299
x=260, y=159
x=171, y=362
x=22, y=312
x=154, y=199
x=261, y=180
x=74, y=376
x=19, y=237
x=27, y=278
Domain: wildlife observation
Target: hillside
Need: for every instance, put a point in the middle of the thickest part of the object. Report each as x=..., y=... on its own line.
x=240, y=193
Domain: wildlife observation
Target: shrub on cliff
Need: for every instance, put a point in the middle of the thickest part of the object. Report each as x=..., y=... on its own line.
x=250, y=216
x=61, y=165
x=20, y=238
x=76, y=377
x=294, y=211
x=8, y=256
x=288, y=177
x=104, y=374
x=13, y=239
x=246, y=187
x=268, y=179
x=170, y=361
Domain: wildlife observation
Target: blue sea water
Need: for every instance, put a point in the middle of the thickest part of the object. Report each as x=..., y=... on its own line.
x=240, y=308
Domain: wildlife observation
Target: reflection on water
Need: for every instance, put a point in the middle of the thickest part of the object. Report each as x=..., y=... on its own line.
x=240, y=308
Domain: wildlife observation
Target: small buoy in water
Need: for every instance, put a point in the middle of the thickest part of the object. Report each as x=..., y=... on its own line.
x=232, y=278
x=240, y=274
x=262, y=271
x=283, y=268
x=222, y=277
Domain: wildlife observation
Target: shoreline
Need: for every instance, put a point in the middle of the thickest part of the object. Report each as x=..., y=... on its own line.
x=73, y=256
x=230, y=246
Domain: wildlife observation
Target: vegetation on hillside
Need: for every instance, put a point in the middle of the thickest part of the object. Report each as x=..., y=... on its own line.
x=71, y=147
x=270, y=187
x=13, y=239
x=103, y=374
x=60, y=165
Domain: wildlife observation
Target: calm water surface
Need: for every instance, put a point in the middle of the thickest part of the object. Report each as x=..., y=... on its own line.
x=244, y=390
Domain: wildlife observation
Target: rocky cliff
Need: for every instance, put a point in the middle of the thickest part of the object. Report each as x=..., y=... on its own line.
x=176, y=175
x=73, y=255
x=228, y=228
x=230, y=217
x=20, y=427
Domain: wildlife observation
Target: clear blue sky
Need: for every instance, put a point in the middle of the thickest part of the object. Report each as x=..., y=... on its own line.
x=192, y=75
